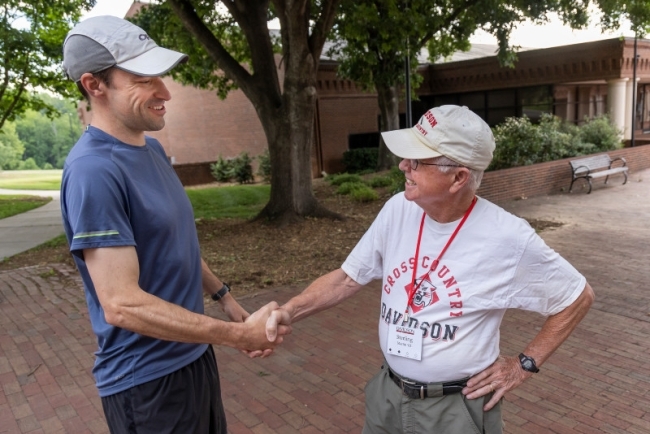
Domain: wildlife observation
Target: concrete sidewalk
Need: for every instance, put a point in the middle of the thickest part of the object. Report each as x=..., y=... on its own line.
x=25, y=231
x=597, y=382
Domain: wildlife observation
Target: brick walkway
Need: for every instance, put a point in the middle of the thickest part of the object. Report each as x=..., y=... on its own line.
x=597, y=382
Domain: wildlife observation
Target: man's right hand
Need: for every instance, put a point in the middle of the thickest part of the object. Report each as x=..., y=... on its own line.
x=255, y=337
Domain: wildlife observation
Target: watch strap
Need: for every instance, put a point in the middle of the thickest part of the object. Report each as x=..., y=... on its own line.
x=219, y=294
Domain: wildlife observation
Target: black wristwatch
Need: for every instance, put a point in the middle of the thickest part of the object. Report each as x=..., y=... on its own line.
x=220, y=293
x=528, y=363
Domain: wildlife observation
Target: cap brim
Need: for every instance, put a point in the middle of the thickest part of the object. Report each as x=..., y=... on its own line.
x=406, y=144
x=155, y=62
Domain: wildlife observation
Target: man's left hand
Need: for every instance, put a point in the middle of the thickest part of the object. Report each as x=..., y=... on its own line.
x=503, y=375
x=235, y=312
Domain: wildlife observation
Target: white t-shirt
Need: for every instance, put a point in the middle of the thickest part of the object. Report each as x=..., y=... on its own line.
x=496, y=262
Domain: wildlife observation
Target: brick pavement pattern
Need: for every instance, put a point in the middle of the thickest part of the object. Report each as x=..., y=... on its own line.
x=597, y=382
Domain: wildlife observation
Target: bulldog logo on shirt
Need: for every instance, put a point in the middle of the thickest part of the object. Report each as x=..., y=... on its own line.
x=425, y=294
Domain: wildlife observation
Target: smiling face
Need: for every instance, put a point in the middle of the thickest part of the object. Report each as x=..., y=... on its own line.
x=443, y=196
x=133, y=105
x=426, y=184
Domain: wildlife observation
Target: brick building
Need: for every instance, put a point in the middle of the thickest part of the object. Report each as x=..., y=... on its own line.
x=573, y=81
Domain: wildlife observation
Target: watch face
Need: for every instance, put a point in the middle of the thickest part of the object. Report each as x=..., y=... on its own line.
x=526, y=364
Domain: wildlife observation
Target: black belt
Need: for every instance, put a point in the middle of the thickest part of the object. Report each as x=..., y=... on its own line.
x=415, y=390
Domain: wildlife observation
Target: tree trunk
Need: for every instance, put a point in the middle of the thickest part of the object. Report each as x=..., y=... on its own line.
x=289, y=131
x=290, y=127
x=287, y=113
x=389, y=108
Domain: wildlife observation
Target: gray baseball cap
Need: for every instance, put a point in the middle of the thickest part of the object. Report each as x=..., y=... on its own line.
x=98, y=43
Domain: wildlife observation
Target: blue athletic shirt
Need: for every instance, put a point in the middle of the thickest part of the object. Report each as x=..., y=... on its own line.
x=115, y=194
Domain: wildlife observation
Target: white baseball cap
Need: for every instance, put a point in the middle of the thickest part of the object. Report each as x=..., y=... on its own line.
x=98, y=43
x=449, y=130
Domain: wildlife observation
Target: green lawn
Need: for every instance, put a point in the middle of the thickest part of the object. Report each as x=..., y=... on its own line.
x=30, y=179
x=12, y=205
x=238, y=201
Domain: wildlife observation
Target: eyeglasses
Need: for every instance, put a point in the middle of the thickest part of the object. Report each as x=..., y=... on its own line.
x=414, y=164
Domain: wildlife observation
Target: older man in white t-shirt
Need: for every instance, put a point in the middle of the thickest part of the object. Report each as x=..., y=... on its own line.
x=450, y=264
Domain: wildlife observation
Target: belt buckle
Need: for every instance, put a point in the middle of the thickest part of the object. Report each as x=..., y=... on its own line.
x=414, y=386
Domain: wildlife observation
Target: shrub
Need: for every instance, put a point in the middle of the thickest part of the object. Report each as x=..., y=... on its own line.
x=242, y=168
x=519, y=142
x=555, y=143
x=380, y=181
x=360, y=159
x=222, y=170
x=600, y=132
x=265, y=166
x=515, y=139
x=342, y=178
x=238, y=168
x=364, y=194
x=348, y=187
x=397, y=180
x=358, y=191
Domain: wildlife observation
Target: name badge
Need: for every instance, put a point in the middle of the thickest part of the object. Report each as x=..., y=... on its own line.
x=404, y=342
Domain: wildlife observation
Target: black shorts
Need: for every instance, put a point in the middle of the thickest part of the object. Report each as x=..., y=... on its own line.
x=187, y=401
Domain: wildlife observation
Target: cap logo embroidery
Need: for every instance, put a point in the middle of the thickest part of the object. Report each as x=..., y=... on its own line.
x=432, y=120
x=420, y=129
x=143, y=37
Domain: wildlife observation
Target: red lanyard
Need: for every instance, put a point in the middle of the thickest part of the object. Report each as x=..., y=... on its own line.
x=434, y=264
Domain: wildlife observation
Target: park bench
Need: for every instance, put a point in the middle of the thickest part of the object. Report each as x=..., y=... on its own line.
x=596, y=166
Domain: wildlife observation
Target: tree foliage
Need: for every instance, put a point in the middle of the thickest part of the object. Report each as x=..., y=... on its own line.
x=11, y=148
x=374, y=37
x=35, y=141
x=31, y=35
x=48, y=141
x=230, y=45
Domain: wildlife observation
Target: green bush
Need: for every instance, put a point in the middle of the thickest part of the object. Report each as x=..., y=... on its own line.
x=364, y=194
x=519, y=142
x=380, y=181
x=397, y=180
x=342, y=178
x=348, y=187
x=222, y=170
x=238, y=168
x=360, y=159
x=358, y=191
x=601, y=133
x=242, y=168
x=264, y=169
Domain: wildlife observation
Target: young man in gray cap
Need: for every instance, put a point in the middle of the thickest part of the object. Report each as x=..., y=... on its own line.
x=131, y=231
x=450, y=263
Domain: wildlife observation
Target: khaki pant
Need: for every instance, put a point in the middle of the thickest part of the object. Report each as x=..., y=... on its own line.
x=389, y=411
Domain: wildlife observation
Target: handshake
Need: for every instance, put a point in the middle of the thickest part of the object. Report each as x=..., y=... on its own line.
x=258, y=334
x=264, y=330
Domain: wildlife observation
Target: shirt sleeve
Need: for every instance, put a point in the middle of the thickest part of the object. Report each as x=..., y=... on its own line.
x=544, y=281
x=96, y=205
x=365, y=263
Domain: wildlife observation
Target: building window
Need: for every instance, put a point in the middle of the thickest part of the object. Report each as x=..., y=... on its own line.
x=494, y=106
x=643, y=108
x=363, y=140
x=534, y=101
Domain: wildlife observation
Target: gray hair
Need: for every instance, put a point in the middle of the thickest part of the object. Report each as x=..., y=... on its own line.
x=475, y=176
